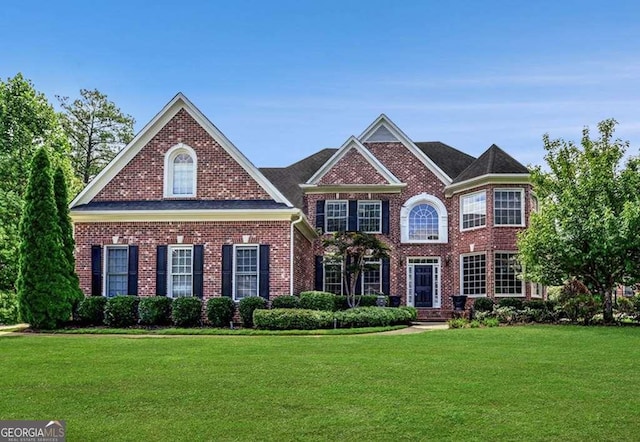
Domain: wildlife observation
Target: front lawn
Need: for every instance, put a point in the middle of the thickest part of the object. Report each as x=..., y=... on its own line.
x=519, y=383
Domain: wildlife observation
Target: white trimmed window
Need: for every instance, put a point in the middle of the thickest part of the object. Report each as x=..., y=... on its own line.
x=332, y=277
x=423, y=219
x=473, y=210
x=473, y=269
x=116, y=270
x=506, y=271
x=536, y=290
x=336, y=216
x=370, y=216
x=180, y=271
x=508, y=207
x=245, y=272
x=180, y=172
x=372, y=278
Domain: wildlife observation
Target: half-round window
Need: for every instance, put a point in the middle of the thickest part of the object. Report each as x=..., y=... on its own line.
x=180, y=171
x=183, y=174
x=423, y=223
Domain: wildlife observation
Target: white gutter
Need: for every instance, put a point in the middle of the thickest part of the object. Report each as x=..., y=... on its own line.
x=300, y=219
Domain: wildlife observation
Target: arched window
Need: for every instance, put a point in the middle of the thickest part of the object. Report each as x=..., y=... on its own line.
x=423, y=219
x=180, y=172
x=423, y=223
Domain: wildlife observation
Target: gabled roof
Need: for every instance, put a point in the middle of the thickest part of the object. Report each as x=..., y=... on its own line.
x=354, y=143
x=449, y=159
x=384, y=129
x=151, y=129
x=493, y=161
x=288, y=179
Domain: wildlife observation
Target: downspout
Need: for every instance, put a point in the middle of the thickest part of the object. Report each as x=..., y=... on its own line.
x=299, y=220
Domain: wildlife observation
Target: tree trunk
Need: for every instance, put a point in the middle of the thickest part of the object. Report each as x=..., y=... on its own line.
x=608, y=305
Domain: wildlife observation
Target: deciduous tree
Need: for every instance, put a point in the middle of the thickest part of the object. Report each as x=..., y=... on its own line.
x=589, y=217
x=97, y=131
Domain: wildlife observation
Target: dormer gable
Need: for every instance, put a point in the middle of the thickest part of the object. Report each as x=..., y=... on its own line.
x=183, y=158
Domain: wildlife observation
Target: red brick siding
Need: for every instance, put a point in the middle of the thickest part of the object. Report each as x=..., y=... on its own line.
x=303, y=262
x=353, y=168
x=148, y=235
x=218, y=174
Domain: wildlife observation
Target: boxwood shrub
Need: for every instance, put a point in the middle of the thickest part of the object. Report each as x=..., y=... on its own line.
x=374, y=316
x=341, y=303
x=511, y=302
x=246, y=308
x=90, y=311
x=483, y=304
x=292, y=319
x=220, y=311
x=121, y=311
x=314, y=300
x=155, y=310
x=186, y=311
x=286, y=301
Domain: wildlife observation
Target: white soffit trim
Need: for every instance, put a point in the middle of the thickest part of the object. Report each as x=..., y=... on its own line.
x=491, y=178
x=396, y=132
x=151, y=129
x=182, y=215
x=353, y=143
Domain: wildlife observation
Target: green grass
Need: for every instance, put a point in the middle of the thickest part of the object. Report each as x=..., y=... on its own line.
x=519, y=383
x=219, y=331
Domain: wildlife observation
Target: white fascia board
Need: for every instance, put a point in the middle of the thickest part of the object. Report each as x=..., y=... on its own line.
x=491, y=178
x=353, y=143
x=151, y=129
x=406, y=141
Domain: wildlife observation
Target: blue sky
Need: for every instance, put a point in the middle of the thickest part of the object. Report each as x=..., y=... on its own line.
x=283, y=79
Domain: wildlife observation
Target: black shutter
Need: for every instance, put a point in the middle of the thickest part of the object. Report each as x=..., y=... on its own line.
x=227, y=270
x=264, y=271
x=320, y=215
x=385, y=217
x=132, y=279
x=161, y=271
x=96, y=270
x=318, y=282
x=353, y=216
x=385, y=274
x=319, y=278
x=198, y=265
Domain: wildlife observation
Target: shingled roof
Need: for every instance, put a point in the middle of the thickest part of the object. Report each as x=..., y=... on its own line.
x=449, y=159
x=288, y=179
x=493, y=161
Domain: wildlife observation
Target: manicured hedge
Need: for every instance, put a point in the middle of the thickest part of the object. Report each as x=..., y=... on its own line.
x=220, y=311
x=121, y=311
x=292, y=319
x=186, y=312
x=285, y=301
x=246, y=308
x=317, y=301
x=90, y=311
x=483, y=304
x=511, y=302
x=155, y=310
x=341, y=302
x=374, y=316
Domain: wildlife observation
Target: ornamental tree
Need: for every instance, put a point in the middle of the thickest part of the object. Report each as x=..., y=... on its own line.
x=589, y=219
x=353, y=250
x=44, y=291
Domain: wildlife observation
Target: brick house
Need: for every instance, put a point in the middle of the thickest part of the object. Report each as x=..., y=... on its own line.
x=181, y=211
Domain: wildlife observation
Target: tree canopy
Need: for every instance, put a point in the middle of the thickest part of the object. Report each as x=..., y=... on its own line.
x=97, y=130
x=589, y=218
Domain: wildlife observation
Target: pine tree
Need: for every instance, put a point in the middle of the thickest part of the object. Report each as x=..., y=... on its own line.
x=43, y=283
x=66, y=228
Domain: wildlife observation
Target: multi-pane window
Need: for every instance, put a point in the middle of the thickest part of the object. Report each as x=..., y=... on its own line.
x=423, y=223
x=536, y=290
x=474, y=275
x=333, y=277
x=180, y=271
x=369, y=216
x=246, y=272
x=508, y=207
x=371, y=278
x=474, y=210
x=336, y=214
x=117, y=263
x=506, y=272
x=183, y=174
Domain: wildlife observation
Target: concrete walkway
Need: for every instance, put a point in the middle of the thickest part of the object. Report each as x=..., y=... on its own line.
x=417, y=327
